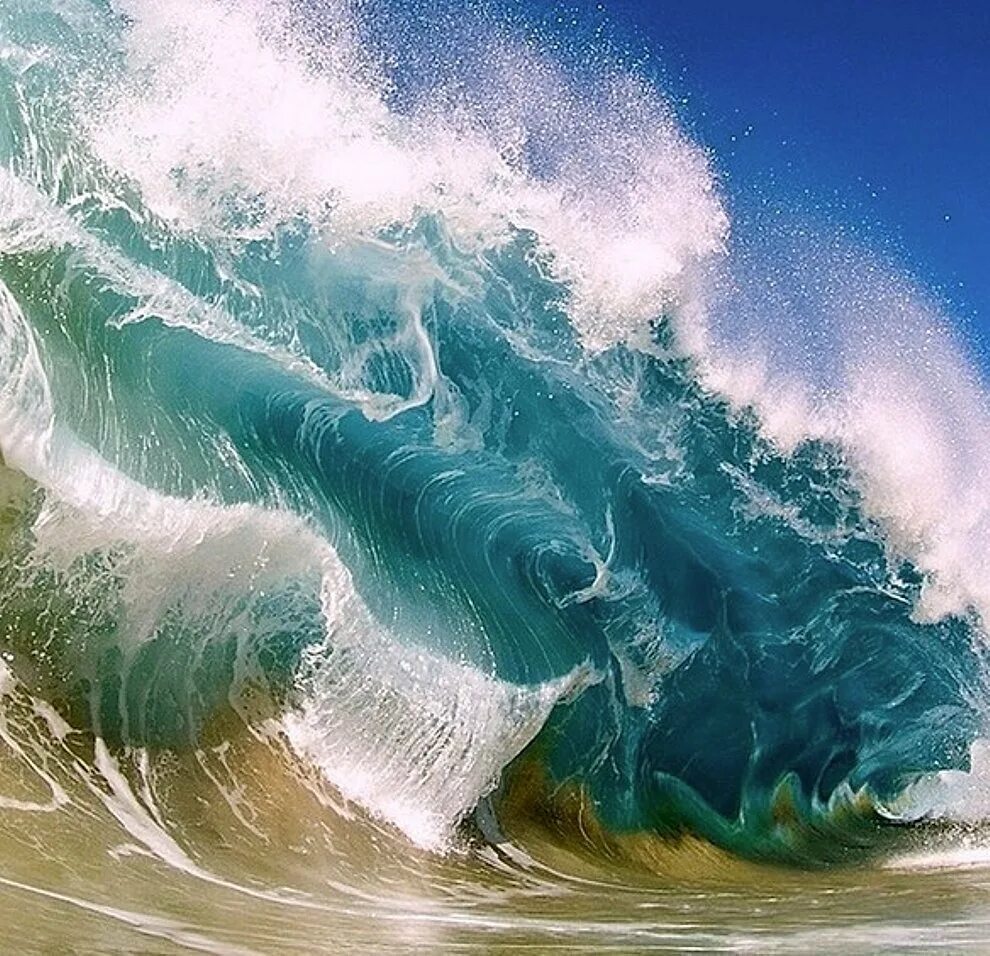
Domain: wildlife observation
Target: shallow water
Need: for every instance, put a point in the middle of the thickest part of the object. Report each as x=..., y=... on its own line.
x=178, y=854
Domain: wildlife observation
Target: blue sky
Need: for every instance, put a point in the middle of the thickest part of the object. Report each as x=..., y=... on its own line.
x=875, y=115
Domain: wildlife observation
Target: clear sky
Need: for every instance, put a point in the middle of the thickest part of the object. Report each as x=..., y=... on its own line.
x=873, y=113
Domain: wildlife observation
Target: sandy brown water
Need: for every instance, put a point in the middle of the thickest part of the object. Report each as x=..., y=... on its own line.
x=236, y=848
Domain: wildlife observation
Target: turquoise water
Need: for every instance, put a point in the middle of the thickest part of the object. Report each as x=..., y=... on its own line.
x=415, y=508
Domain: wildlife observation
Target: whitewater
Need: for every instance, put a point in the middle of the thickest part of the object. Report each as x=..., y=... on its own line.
x=427, y=521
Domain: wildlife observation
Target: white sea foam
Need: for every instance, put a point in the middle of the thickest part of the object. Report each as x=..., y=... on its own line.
x=958, y=796
x=229, y=123
x=413, y=737
x=847, y=351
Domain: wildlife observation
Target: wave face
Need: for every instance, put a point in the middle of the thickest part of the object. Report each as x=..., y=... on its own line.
x=422, y=417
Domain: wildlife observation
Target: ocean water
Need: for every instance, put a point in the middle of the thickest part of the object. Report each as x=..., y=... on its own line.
x=427, y=523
